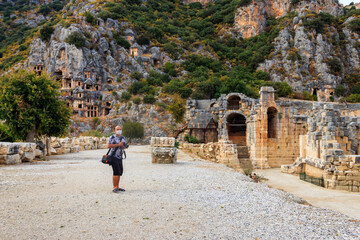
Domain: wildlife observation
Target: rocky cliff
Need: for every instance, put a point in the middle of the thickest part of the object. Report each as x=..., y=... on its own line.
x=250, y=20
x=311, y=60
x=310, y=51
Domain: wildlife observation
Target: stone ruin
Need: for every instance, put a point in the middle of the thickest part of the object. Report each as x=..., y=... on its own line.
x=163, y=150
x=317, y=138
x=72, y=145
x=14, y=153
x=330, y=149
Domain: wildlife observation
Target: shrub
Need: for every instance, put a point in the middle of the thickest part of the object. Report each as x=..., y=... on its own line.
x=22, y=48
x=75, y=38
x=136, y=87
x=133, y=130
x=121, y=41
x=355, y=90
x=355, y=25
x=46, y=32
x=125, y=96
x=90, y=18
x=191, y=139
x=150, y=99
x=335, y=66
x=169, y=68
x=137, y=75
x=340, y=90
x=136, y=100
x=353, y=98
x=143, y=40
x=283, y=89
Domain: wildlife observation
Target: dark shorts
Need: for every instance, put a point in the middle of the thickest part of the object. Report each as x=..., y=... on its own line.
x=117, y=167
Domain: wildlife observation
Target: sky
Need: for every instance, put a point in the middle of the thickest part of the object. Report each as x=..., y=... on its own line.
x=347, y=2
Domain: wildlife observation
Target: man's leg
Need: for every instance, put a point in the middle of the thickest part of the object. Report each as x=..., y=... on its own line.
x=116, y=180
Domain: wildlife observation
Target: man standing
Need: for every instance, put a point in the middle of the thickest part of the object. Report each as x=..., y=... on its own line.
x=117, y=143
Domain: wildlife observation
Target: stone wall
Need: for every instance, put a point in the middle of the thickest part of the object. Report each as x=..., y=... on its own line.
x=18, y=152
x=330, y=148
x=71, y=145
x=14, y=153
x=224, y=152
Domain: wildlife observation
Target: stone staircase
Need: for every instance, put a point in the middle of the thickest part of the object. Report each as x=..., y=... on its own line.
x=243, y=156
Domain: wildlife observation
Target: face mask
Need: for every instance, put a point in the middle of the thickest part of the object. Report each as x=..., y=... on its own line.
x=118, y=132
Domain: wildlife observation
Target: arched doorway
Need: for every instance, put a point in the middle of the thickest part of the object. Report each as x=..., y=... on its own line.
x=233, y=103
x=236, y=125
x=272, y=122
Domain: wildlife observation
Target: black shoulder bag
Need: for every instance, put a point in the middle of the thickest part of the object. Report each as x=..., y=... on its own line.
x=109, y=159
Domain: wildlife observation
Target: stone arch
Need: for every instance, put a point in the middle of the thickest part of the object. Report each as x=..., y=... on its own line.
x=233, y=102
x=236, y=127
x=272, y=117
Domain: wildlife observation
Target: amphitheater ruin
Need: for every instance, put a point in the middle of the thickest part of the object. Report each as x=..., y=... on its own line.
x=319, y=139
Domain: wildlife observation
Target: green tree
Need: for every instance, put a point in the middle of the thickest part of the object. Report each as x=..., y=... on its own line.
x=177, y=109
x=31, y=106
x=133, y=130
x=45, y=33
x=340, y=90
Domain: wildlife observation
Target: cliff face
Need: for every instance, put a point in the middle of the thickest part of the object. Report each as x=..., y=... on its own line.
x=309, y=60
x=251, y=20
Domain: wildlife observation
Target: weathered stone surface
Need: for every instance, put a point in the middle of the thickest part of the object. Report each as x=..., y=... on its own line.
x=163, y=150
x=164, y=155
x=250, y=20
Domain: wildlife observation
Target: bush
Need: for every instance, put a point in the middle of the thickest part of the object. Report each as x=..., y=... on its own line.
x=149, y=99
x=136, y=100
x=22, y=48
x=125, y=96
x=340, y=91
x=137, y=75
x=191, y=139
x=46, y=32
x=355, y=25
x=335, y=66
x=121, y=41
x=143, y=40
x=353, y=98
x=90, y=18
x=355, y=90
x=283, y=89
x=133, y=130
x=76, y=38
x=170, y=69
x=136, y=87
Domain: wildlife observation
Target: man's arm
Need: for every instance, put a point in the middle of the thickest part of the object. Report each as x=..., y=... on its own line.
x=121, y=144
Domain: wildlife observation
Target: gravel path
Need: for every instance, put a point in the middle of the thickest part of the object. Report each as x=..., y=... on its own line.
x=344, y=202
x=70, y=197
